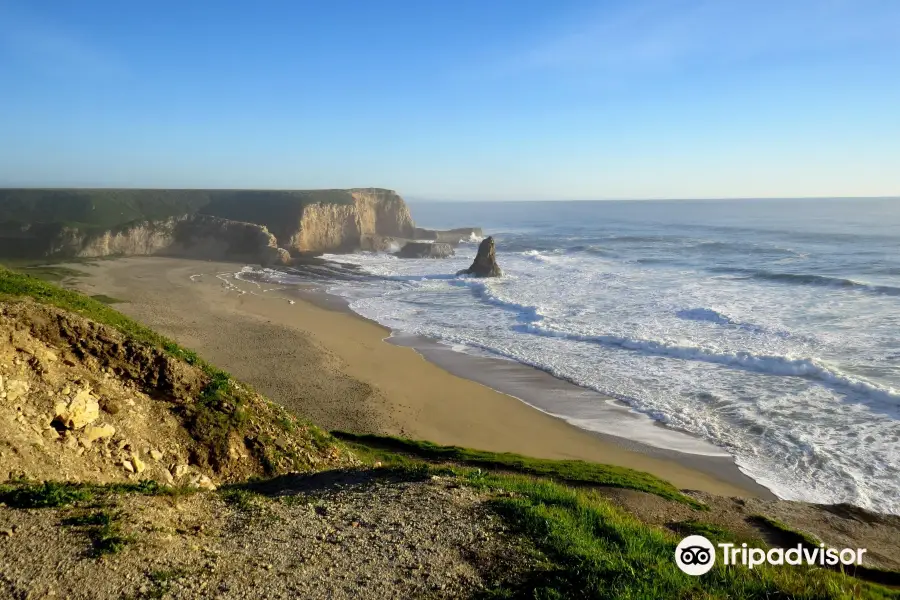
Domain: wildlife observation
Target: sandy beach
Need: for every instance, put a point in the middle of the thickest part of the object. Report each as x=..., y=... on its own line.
x=335, y=368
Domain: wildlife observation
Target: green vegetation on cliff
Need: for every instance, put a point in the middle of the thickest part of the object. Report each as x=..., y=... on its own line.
x=108, y=208
x=225, y=409
x=576, y=472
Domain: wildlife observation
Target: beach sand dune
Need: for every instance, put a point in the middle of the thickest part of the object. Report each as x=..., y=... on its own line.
x=335, y=368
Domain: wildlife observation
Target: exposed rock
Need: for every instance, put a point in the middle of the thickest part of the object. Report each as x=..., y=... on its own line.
x=93, y=433
x=82, y=410
x=156, y=454
x=110, y=406
x=450, y=236
x=425, y=250
x=485, y=263
x=139, y=465
x=15, y=389
x=126, y=464
x=379, y=243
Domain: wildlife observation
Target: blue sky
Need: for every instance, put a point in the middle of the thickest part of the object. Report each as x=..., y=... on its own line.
x=516, y=99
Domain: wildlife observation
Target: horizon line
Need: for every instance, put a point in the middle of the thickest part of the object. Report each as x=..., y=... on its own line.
x=421, y=198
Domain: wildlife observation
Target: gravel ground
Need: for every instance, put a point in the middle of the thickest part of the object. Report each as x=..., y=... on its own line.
x=347, y=535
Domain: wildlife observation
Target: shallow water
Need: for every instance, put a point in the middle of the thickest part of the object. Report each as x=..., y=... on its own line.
x=769, y=328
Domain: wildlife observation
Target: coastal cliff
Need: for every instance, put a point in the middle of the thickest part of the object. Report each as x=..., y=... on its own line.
x=234, y=224
x=325, y=227
x=192, y=236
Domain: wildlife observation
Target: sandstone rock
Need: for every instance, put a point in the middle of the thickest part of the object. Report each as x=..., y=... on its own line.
x=378, y=243
x=82, y=410
x=168, y=476
x=156, y=454
x=93, y=432
x=15, y=389
x=485, y=263
x=425, y=250
x=139, y=465
x=205, y=483
x=126, y=464
x=180, y=470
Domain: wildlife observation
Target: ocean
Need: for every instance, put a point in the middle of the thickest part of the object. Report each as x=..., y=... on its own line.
x=768, y=328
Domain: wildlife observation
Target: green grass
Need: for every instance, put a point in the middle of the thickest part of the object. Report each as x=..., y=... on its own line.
x=791, y=536
x=52, y=273
x=714, y=533
x=595, y=550
x=106, y=299
x=44, y=495
x=210, y=420
x=161, y=579
x=242, y=498
x=14, y=285
x=220, y=411
x=394, y=450
x=52, y=494
x=104, y=531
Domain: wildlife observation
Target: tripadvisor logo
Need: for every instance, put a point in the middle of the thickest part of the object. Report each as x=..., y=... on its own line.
x=696, y=555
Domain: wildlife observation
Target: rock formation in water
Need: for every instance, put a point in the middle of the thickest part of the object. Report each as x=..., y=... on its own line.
x=425, y=250
x=485, y=263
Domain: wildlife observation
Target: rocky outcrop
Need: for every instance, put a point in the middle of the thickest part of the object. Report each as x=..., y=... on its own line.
x=449, y=236
x=380, y=243
x=37, y=223
x=192, y=236
x=327, y=226
x=425, y=250
x=485, y=263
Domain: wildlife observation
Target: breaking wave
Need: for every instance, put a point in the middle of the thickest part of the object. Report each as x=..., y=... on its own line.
x=810, y=279
x=809, y=368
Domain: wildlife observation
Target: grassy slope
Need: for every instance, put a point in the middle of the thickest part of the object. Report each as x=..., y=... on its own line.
x=570, y=471
x=222, y=410
x=591, y=548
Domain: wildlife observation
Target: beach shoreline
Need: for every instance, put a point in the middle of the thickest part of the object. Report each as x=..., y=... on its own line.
x=305, y=350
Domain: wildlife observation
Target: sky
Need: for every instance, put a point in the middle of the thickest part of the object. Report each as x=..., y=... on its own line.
x=468, y=100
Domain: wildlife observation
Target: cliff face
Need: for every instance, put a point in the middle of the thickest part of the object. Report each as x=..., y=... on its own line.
x=42, y=223
x=193, y=236
x=325, y=227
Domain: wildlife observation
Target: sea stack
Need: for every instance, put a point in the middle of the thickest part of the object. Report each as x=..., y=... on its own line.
x=485, y=263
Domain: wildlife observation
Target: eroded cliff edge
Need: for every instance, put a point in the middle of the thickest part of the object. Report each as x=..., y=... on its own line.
x=259, y=225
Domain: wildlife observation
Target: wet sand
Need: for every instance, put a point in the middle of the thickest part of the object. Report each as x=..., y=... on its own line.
x=304, y=351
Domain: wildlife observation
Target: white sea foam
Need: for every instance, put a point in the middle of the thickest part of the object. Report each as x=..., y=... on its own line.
x=792, y=374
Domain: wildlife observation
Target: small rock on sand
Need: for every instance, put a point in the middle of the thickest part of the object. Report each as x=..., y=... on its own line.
x=93, y=432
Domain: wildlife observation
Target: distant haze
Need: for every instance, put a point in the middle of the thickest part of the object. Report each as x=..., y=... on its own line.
x=469, y=100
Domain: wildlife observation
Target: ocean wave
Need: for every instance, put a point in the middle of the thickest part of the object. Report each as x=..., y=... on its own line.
x=537, y=255
x=705, y=314
x=811, y=279
x=809, y=368
x=718, y=247
x=594, y=250
x=525, y=312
